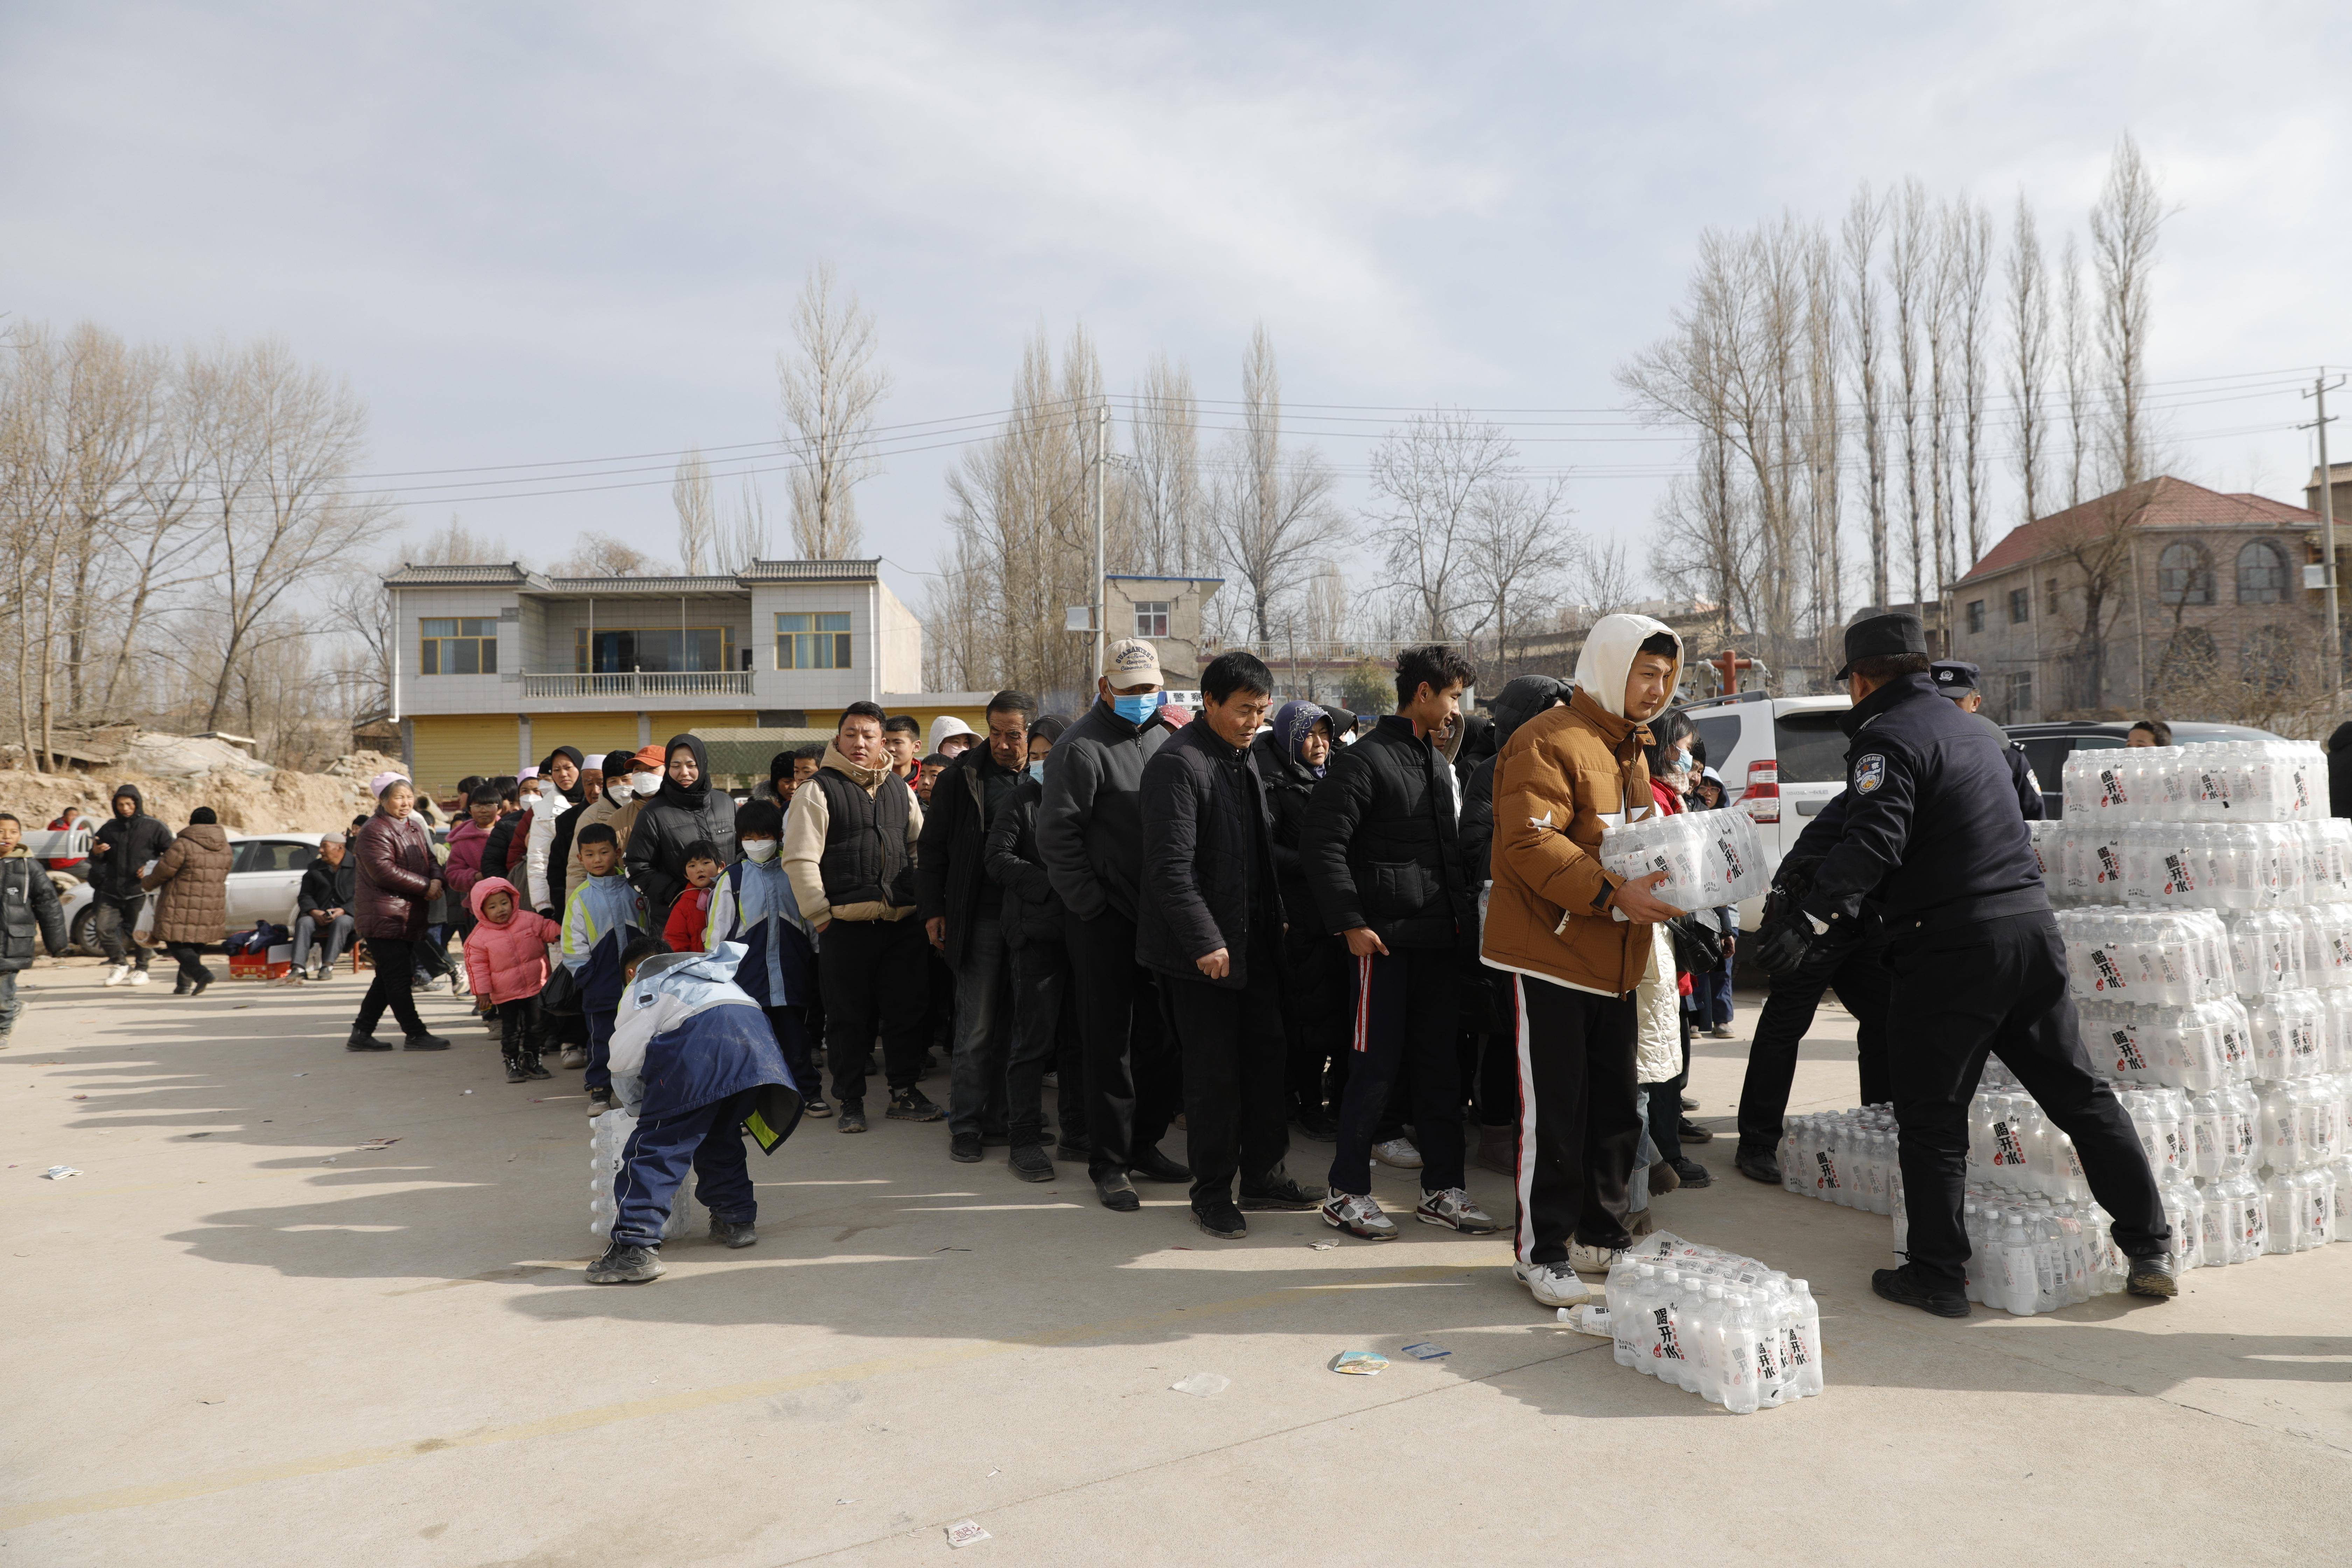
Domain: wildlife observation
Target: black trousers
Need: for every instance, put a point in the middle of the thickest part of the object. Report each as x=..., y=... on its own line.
x=1314, y=1012
x=190, y=956
x=1236, y=1057
x=875, y=976
x=395, y=976
x=519, y=1030
x=1406, y=1004
x=1046, y=1039
x=1665, y=1104
x=1579, y=1127
x=1863, y=986
x=1133, y=1077
x=1999, y=987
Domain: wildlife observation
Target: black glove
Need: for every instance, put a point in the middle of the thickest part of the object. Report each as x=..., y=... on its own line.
x=1785, y=949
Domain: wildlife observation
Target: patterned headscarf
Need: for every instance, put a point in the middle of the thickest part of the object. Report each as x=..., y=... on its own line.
x=1293, y=722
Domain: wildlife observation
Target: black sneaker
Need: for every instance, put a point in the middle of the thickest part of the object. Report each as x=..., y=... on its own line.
x=815, y=1108
x=624, y=1264
x=1029, y=1162
x=1905, y=1288
x=852, y=1118
x=913, y=1105
x=1280, y=1194
x=600, y=1101
x=532, y=1069
x=363, y=1041
x=1314, y=1122
x=425, y=1043
x=1078, y=1153
x=1691, y=1174
x=2152, y=1277
x=1154, y=1166
x=202, y=981
x=1117, y=1193
x=733, y=1235
x=964, y=1148
x=1690, y=1132
x=517, y=1073
x=1756, y=1167
x=182, y=989
x=1220, y=1219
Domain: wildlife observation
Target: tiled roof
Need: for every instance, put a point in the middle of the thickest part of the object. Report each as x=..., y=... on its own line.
x=643, y=585
x=504, y=574
x=2160, y=502
x=813, y=571
x=514, y=574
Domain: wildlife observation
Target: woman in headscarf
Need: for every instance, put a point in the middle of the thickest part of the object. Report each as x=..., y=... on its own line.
x=684, y=809
x=1291, y=755
x=398, y=880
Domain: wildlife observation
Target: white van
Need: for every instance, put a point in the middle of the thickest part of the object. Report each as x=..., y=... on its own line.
x=1782, y=759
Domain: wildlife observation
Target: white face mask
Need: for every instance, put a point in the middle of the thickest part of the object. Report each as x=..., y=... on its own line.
x=760, y=850
x=619, y=792
x=645, y=784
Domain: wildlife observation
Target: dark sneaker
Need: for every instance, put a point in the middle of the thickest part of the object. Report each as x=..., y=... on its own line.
x=815, y=1108
x=624, y=1264
x=573, y=1058
x=733, y=1235
x=1029, y=1162
x=181, y=989
x=1280, y=1194
x=517, y=1073
x=1690, y=1132
x=964, y=1148
x=365, y=1042
x=532, y=1068
x=600, y=1101
x=1688, y=1103
x=203, y=982
x=1905, y=1288
x=1117, y=1193
x=2152, y=1277
x=853, y=1116
x=1314, y=1122
x=913, y=1105
x=1691, y=1174
x=1078, y=1153
x=425, y=1043
x=1154, y=1166
x=1756, y=1167
x=1220, y=1219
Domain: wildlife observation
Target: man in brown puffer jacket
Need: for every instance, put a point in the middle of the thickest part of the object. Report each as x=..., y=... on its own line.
x=1553, y=919
x=192, y=910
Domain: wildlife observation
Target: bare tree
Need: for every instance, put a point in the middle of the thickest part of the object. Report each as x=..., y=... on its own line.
x=1909, y=263
x=1939, y=324
x=1164, y=474
x=831, y=388
x=2029, y=362
x=1429, y=482
x=697, y=514
x=1865, y=216
x=2123, y=225
x=1272, y=515
x=1972, y=272
x=1520, y=547
x=747, y=534
x=597, y=554
x=1600, y=580
x=457, y=545
x=2075, y=350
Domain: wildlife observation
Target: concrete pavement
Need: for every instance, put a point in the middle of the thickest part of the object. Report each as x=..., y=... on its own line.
x=240, y=1337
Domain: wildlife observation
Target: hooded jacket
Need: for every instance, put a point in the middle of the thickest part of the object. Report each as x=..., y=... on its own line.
x=950, y=879
x=619, y=818
x=673, y=819
x=464, y=868
x=1379, y=843
x=688, y=1037
x=1563, y=776
x=507, y=963
x=752, y=905
x=29, y=907
x=396, y=868
x=538, y=839
x=1289, y=780
x=1521, y=699
x=131, y=842
x=810, y=832
x=194, y=876
x=604, y=914
x=946, y=727
x=1090, y=821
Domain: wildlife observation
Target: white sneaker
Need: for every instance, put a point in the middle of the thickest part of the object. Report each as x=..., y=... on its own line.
x=1593, y=1259
x=1454, y=1209
x=1552, y=1284
x=1358, y=1216
x=118, y=974
x=1398, y=1151
x=139, y=977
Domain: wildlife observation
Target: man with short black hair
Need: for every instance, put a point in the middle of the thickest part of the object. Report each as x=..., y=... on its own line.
x=850, y=850
x=962, y=912
x=1381, y=856
x=2150, y=733
x=902, y=746
x=1210, y=924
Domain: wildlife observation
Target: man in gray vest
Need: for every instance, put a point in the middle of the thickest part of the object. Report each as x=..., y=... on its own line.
x=849, y=851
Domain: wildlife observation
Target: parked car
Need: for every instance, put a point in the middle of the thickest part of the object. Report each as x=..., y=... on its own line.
x=264, y=875
x=2047, y=746
x=1782, y=759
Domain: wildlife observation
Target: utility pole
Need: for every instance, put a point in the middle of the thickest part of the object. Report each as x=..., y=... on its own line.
x=2318, y=394
x=1102, y=483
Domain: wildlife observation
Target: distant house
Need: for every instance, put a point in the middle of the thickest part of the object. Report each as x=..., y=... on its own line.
x=1165, y=612
x=2113, y=605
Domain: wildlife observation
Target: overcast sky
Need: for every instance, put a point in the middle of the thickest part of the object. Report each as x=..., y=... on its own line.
x=540, y=233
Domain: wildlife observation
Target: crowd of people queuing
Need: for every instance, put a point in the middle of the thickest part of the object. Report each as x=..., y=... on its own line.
x=1259, y=923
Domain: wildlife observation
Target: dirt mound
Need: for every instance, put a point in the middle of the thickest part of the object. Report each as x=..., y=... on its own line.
x=280, y=802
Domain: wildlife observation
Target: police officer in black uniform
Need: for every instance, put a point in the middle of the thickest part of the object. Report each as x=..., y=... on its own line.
x=1933, y=833
x=1956, y=678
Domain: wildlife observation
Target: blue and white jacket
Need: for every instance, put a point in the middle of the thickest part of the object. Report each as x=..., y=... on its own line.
x=688, y=1037
x=603, y=914
x=753, y=904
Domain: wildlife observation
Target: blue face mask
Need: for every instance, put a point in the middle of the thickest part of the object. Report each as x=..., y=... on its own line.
x=1037, y=770
x=1135, y=709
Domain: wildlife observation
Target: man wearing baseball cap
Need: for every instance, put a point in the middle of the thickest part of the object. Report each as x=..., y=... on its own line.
x=1090, y=835
x=1958, y=680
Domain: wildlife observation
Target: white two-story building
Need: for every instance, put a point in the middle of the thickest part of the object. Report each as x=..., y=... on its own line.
x=495, y=666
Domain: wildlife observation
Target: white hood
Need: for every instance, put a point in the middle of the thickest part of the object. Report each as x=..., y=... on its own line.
x=1608, y=657
x=945, y=725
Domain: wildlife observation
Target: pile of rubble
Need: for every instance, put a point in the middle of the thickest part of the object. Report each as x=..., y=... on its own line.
x=177, y=773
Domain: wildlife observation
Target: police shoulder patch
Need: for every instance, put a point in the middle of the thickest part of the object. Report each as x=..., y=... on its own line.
x=1869, y=772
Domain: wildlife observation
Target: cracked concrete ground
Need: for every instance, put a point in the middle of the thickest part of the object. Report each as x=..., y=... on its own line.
x=239, y=1336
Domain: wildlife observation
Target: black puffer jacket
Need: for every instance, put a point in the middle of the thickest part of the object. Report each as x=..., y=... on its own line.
x=1032, y=910
x=1207, y=857
x=1090, y=823
x=1380, y=839
x=1289, y=783
x=131, y=841
x=672, y=819
x=29, y=907
x=951, y=874
x=326, y=887
x=1520, y=700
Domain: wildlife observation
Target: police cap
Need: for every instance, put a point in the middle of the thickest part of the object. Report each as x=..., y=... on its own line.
x=1877, y=637
x=1955, y=677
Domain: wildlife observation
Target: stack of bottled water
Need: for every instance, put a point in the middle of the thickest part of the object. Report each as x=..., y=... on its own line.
x=1714, y=1323
x=1843, y=1157
x=2229, y=781
x=608, y=1137
x=1710, y=857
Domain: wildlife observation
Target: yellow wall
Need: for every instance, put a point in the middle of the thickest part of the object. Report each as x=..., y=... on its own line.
x=451, y=745
x=594, y=733
x=665, y=725
x=975, y=717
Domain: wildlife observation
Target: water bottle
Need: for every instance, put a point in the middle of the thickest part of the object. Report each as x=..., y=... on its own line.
x=1804, y=1339
x=1736, y=1317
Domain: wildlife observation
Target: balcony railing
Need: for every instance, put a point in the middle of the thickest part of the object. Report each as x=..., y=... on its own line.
x=643, y=683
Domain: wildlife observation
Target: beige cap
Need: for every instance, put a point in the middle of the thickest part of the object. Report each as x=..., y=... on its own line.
x=1131, y=661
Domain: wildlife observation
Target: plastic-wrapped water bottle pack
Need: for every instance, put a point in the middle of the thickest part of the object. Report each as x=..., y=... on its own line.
x=1714, y=1323
x=1710, y=857
x=608, y=1135
x=2233, y=781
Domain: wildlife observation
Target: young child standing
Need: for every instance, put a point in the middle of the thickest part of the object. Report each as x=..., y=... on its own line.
x=752, y=903
x=691, y=913
x=506, y=959
x=694, y=1060
x=604, y=916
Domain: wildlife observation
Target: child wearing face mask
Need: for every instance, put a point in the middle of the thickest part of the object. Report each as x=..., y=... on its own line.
x=752, y=902
x=691, y=913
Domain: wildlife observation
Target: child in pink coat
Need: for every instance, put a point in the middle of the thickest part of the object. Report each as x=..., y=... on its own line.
x=506, y=960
